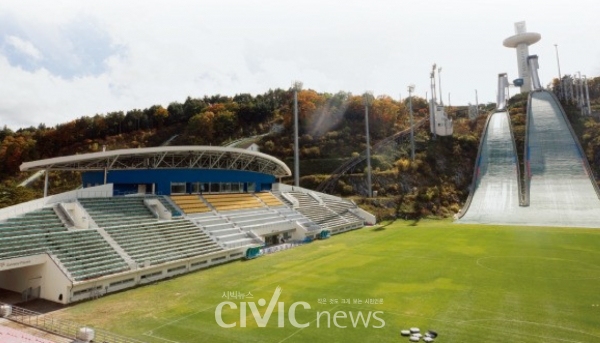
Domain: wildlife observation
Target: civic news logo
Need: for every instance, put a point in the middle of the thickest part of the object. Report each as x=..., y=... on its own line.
x=262, y=315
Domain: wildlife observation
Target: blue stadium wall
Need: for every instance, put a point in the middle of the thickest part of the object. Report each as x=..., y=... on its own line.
x=127, y=181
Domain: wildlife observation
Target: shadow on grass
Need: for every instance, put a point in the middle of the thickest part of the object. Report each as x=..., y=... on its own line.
x=382, y=227
x=415, y=222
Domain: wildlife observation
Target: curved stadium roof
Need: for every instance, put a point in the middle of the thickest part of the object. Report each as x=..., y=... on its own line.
x=167, y=157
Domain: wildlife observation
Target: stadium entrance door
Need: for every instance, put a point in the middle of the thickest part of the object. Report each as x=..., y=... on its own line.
x=272, y=240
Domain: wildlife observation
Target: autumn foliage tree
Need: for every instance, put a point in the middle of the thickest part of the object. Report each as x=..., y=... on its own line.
x=331, y=125
x=13, y=151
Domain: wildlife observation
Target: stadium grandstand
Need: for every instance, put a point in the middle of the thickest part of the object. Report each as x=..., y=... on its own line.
x=147, y=214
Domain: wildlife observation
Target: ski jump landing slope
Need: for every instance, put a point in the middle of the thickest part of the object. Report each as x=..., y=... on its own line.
x=495, y=188
x=559, y=190
x=561, y=186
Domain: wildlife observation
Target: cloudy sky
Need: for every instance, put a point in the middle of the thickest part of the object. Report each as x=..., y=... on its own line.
x=63, y=59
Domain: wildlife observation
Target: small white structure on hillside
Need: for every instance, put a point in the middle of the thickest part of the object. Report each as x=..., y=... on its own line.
x=439, y=122
x=253, y=147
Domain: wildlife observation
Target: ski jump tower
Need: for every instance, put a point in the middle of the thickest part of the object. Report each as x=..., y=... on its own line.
x=521, y=41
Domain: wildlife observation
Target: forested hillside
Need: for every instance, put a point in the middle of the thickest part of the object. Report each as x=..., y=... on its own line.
x=211, y=121
x=326, y=120
x=331, y=131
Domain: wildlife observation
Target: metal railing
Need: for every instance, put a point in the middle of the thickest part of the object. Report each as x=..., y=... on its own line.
x=60, y=327
x=280, y=247
x=524, y=181
x=518, y=162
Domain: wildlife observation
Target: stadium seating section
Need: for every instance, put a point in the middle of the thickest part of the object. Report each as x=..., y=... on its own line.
x=83, y=253
x=168, y=205
x=259, y=218
x=190, y=204
x=298, y=217
x=224, y=231
x=236, y=201
x=269, y=199
x=331, y=214
x=118, y=210
x=36, y=222
x=164, y=241
x=128, y=232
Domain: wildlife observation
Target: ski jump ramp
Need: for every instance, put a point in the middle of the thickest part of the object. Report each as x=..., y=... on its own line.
x=495, y=189
x=559, y=186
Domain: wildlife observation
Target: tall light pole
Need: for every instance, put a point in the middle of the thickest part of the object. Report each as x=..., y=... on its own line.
x=367, y=101
x=576, y=87
x=587, y=96
x=557, y=61
x=440, y=85
x=560, y=82
x=411, y=88
x=432, y=104
x=477, y=103
x=297, y=88
x=432, y=76
x=580, y=91
x=571, y=86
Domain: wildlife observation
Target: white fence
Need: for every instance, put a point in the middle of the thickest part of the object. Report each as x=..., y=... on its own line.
x=60, y=327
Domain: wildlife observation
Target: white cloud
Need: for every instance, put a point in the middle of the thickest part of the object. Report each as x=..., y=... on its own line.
x=157, y=52
x=25, y=47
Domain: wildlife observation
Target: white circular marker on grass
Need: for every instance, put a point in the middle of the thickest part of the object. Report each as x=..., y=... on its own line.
x=431, y=333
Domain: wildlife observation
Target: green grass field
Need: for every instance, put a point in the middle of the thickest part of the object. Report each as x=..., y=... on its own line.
x=470, y=283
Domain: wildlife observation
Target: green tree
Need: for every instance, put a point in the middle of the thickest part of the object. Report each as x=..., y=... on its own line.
x=225, y=125
x=158, y=115
x=176, y=113
x=202, y=127
x=191, y=107
x=5, y=132
x=13, y=151
x=11, y=195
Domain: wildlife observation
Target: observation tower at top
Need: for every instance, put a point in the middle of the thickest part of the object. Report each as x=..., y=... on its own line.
x=521, y=41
